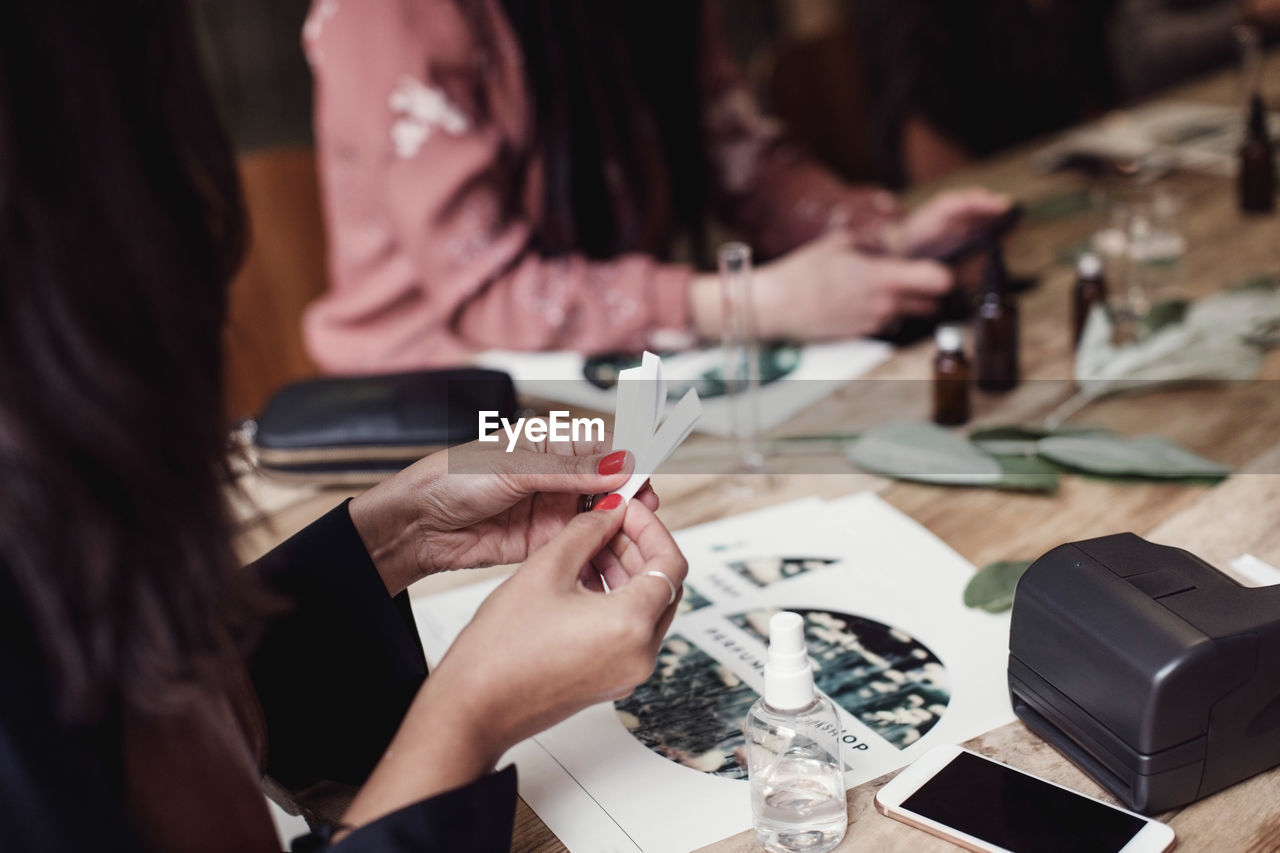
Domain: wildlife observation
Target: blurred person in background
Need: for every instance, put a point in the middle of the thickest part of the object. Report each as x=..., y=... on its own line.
x=949, y=83
x=148, y=682
x=1158, y=43
x=522, y=174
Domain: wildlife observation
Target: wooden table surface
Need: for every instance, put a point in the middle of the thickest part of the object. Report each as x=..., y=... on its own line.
x=1237, y=425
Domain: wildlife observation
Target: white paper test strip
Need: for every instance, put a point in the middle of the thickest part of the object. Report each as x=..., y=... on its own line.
x=674, y=430
x=654, y=366
x=638, y=408
x=642, y=394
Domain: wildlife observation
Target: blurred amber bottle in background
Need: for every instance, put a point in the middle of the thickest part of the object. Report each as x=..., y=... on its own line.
x=995, y=339
x=1090, y=290
x=1257, y=162
x=950, y=378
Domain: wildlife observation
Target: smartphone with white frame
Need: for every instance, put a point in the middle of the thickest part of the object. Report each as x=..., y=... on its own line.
x=989, y=807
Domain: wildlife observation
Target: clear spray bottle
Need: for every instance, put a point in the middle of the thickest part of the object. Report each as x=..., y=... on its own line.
x=793, y=751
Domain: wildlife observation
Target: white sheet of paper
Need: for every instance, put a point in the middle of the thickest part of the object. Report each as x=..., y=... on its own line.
x=559, y=376
x=884, y=597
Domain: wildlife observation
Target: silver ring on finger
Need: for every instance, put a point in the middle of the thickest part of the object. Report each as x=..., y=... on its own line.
x=670, y=583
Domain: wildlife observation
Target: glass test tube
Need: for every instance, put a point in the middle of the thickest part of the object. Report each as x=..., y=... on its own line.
x=741, y=354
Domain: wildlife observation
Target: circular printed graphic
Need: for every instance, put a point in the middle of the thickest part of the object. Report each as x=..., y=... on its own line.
x=691, y=709
x=704, y=369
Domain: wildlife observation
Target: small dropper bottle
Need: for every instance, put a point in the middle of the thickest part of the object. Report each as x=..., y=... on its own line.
x=950, y=378
x=1257, y=162
x=1090, y=290
x=793, y=751
x=995, y=338
x=1257, y=176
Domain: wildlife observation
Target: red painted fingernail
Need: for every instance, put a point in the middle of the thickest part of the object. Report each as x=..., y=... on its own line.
x=610, y=502
x=612, y=463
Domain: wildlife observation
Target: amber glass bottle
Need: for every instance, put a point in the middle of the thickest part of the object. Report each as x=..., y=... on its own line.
x=1257, y=163
x=950, y=378
x=995, y=339
x=1090, y=290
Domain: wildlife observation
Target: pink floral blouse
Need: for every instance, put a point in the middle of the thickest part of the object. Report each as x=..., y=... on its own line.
x=425, y=263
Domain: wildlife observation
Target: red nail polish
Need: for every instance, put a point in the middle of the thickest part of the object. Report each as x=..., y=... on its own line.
x=612, y=463
x=610, y=502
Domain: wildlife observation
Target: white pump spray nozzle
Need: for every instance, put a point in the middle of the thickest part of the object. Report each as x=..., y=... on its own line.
x=788, y=675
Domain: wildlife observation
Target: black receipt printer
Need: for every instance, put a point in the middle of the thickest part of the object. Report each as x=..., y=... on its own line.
x=1152, y=671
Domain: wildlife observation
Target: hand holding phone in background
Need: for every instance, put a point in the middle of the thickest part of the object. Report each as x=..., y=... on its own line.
x=953, y=225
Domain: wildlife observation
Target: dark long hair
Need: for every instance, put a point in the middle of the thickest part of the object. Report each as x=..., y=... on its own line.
x=617, y=120
x=120, y=225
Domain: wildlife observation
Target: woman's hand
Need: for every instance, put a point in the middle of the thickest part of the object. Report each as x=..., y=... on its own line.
x=948, y=217
x=477, y=505
x=829, y=289
x=541, y=647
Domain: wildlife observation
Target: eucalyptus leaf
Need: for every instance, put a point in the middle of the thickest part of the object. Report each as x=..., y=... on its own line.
x=1236, y=312
x=1013, y=440
x=991, y=589
x=1264, y=281
x=1027, y=447
x=1025, y=431
x=1218, y=338
x=1164, y=314
x=1266, y=337
x=1026, y=474
x=923, y=452
x=1144, y=456
x=1209, y=345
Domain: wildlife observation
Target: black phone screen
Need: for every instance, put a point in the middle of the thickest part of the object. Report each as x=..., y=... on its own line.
x=1019, y=812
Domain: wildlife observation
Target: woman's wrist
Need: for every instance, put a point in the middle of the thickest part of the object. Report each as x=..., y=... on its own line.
x=386, y=524
x=771, y=310
x=706, y=304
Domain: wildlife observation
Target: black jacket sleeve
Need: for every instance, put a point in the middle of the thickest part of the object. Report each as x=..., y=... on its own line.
x=337, y=669
x=477, y=818
x=335, y=674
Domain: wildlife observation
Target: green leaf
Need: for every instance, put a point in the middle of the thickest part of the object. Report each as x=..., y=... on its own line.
x=1061, y=205
x=1212, y=343
x=1144, y=456
x=923, y=452
x=991, y=589
x=1163, y=314
x=1026, y=474
x=1013, y=440
x=1264, y=281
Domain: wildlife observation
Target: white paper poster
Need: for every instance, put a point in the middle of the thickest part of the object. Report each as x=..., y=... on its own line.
x=893, y=645
x=806, y=375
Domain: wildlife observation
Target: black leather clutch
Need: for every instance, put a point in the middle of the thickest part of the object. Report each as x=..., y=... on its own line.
x=359, y=429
